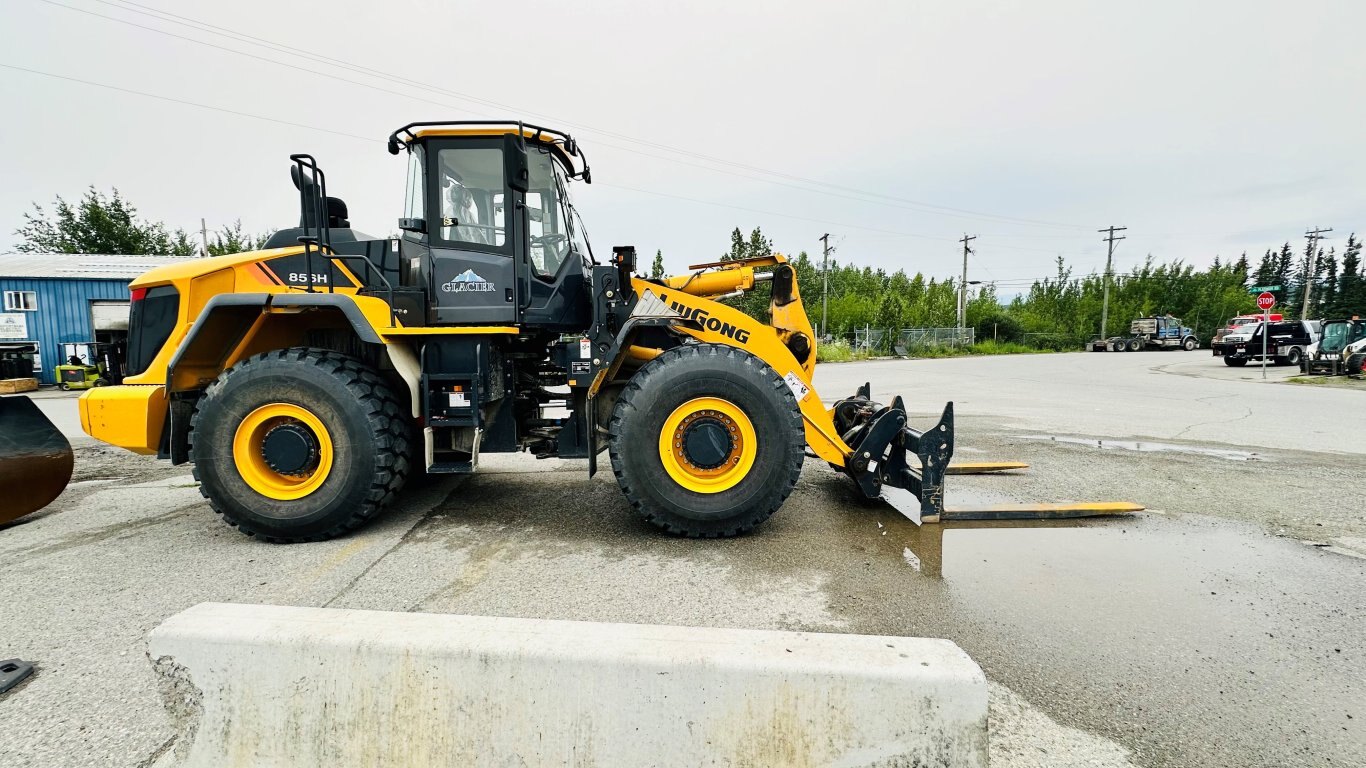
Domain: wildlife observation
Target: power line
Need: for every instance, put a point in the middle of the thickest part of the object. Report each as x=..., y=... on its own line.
x=1310, y=262
x=165, y=16
x=1110, y=241
x=963, y=283
x=187, y=103
x=825, y=282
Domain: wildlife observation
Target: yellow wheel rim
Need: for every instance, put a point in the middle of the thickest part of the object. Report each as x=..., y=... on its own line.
x=739, y=454
x=248, y=452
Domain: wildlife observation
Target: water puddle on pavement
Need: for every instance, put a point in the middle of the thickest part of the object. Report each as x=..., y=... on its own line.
x=1151, y=447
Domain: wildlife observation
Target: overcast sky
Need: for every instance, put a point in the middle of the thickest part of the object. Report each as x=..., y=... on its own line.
x=1204, y=127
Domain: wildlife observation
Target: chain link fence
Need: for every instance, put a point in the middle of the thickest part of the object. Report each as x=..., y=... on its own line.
x=869, y=340
x=926, y=338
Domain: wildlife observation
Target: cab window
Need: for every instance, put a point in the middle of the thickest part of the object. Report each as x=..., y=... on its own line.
x=415, y=197
x=548, y=222
x=470, y=191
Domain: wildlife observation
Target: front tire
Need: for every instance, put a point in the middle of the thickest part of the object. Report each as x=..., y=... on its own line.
x=1190, y=344
x=299, y=444
x=706, y=441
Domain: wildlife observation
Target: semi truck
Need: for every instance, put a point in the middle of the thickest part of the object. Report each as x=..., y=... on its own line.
x=1164, y=332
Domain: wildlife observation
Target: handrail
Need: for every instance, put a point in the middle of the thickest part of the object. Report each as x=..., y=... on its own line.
x=562, y=139
x=322, y=241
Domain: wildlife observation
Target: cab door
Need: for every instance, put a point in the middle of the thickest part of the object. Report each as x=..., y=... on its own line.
x=473, y=227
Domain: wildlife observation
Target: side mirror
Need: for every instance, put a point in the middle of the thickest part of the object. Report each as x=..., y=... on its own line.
x=515, y=162
x=413, y=225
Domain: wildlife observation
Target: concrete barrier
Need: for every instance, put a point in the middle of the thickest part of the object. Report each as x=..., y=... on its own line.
x=275, y=686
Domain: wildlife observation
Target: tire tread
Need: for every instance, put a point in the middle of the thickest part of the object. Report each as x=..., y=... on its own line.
x=382, y=407
x=691, y=354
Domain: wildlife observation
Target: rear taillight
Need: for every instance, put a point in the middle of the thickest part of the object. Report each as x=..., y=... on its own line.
x=137, y=294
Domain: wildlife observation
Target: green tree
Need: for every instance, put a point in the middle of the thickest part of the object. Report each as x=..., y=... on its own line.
x=1266, y=271
x=657, y=267
x=1351, y=294
x=98, y=224
x=231, y=239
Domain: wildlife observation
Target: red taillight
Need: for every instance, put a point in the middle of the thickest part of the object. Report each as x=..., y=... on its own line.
x=137, y=294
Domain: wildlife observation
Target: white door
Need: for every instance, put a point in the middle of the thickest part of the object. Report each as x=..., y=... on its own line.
x=109, y=315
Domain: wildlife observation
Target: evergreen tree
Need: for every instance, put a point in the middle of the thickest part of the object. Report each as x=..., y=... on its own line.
x=1266, y=271
x=1327, y=290
x=657, y=267
x=1281, y=276
x=1351, y=293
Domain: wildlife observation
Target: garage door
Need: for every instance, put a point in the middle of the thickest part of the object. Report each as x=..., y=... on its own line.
x=109, y=315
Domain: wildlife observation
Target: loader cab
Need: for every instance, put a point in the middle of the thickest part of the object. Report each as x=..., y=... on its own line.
x=489, y=229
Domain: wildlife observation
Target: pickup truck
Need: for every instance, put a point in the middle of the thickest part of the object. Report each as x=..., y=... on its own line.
x=1285, y=345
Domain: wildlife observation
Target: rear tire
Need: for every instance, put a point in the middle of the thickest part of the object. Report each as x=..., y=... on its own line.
x=1294, y=357
x=356, y=426
x=732, y=386
x=1236, y=362
x=1135, y=345
x=1355, y=363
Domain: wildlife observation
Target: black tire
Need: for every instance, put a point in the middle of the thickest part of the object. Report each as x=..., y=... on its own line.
x=370, y=443
x=1294, y=357
x=1135, y=345
x=64, y=387
x=676, y=377
x=1236, y=362
x=1355, y=363
x=1189, y=344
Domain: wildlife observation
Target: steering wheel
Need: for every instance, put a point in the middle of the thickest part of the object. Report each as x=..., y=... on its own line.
x=554, y=246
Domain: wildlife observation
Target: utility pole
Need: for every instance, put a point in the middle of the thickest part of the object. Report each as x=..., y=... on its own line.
x=825, y=281
x=963, y=283
x=1109, y=274
x=1310, y=262
x=204, y=233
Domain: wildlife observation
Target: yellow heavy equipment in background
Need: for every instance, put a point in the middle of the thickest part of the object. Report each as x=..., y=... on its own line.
x=309, y=380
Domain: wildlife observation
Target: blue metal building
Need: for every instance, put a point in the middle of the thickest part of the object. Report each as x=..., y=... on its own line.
x=58, y=298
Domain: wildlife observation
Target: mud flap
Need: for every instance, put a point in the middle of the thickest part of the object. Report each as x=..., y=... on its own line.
x=35, y=459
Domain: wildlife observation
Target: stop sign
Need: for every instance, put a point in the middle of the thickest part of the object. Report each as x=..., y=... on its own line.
x=1265, y=301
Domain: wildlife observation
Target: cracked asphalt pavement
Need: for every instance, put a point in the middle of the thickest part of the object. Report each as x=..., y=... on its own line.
x=1223, y=627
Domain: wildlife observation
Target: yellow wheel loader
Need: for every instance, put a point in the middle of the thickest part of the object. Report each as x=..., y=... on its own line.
x=308, y=381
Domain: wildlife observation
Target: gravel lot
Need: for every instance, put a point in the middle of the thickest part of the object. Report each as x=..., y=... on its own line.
x=1222, y=628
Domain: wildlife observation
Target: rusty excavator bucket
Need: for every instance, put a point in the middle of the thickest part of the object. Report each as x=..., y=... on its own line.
x=882, y=441
x=35, y=459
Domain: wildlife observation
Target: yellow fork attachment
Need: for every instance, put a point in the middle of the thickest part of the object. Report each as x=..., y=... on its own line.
x=984, y=467
x=1034, y=511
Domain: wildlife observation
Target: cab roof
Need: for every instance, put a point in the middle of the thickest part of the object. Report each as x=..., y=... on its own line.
x=562, y=145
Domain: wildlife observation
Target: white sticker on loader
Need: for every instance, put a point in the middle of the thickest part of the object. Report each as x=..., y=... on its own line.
x=794, y=383
x=585, y=348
